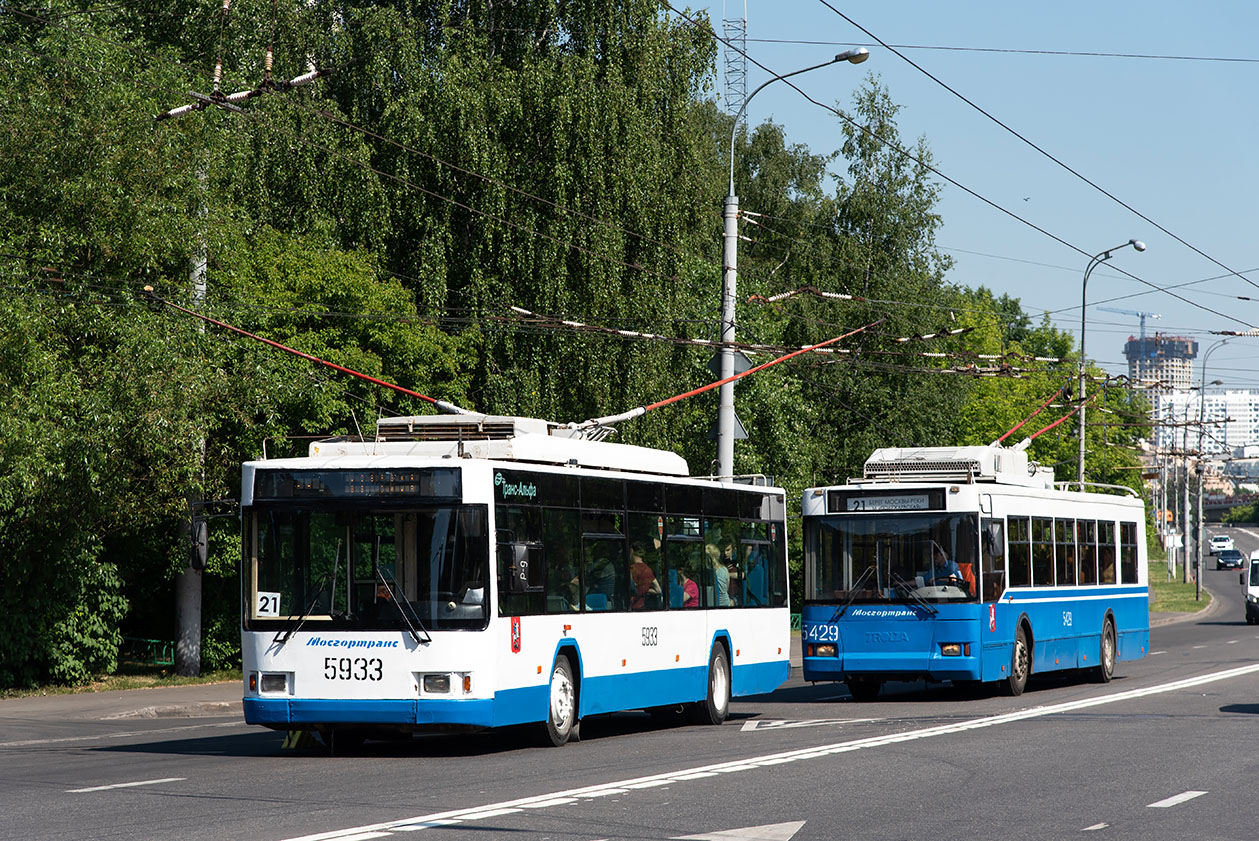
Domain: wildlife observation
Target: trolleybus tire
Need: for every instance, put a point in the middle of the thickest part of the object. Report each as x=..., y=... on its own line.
x=863, y=689
x=1020, y=665
x=716, y=706
x=1105, y=669
x=561, y=708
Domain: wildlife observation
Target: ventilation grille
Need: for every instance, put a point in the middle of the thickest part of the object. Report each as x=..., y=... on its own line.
x=959, y=469
x=406, y=430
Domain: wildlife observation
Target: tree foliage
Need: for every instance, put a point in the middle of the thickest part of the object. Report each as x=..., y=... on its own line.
x=460, y=158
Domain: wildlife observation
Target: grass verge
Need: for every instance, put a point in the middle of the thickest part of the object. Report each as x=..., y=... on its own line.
x=1174, y=596
x=129, y=676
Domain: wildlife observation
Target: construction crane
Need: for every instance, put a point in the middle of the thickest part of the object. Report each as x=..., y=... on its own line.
x=1145, y=353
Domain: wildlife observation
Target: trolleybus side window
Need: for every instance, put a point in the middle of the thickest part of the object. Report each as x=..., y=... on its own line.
x=1086, y=545
x=1064, y=551
x=646, y=562
x=1020, y=552
x=720, y=539
x=521, y=560
x=1128, y=553
x=992, y=559
x=752, y=572
x=1106, y=552
x=1042, y=552
x=561, y=537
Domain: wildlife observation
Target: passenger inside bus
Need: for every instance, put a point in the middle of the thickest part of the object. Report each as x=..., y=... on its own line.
x=646, y=588
x=689, y=590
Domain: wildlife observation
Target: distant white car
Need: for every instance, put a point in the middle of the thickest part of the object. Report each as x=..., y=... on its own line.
x=1220, y=542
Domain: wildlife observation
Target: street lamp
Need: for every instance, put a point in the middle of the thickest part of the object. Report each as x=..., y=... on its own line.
x=730, y=262
x=1202, y=411
x=1095, y=261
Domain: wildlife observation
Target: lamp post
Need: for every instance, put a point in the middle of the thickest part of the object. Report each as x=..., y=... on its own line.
x=730, y=263
x=1202, y=410
x=1095, y=261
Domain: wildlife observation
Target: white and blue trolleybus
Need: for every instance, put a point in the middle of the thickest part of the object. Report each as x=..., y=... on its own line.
x=475, y=571
x=967, y=564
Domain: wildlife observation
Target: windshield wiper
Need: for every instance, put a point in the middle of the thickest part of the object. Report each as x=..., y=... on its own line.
x=282, y=636
x=852, y=593
x=910, y=592
x=393, y=597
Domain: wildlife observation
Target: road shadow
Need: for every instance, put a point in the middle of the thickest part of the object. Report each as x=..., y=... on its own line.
x=918, y=691
x=1241, y=709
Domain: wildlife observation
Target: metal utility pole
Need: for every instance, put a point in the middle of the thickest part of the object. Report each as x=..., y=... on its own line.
x=727, y=424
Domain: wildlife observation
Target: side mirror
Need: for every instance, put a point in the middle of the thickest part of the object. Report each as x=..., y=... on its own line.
x=200, y=544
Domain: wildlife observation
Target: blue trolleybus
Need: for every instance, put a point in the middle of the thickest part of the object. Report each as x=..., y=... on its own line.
x=967, y=564
x=474, y=571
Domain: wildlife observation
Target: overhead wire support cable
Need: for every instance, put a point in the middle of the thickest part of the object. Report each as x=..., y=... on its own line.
x=442, y=405
x=595, y=423
x=1029, y=142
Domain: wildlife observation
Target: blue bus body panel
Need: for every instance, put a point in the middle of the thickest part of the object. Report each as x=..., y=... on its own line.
x=902, y=641
x=514, y=706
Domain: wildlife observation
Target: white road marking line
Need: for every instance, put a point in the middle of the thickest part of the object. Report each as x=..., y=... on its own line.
x=813, y=752
x=126, y=785
x=27, y=743
x=1196, y=647
x=1152, y=653
x=1176, y=800
x=1231, y=642
x=1095, y=826
x=769, y=832
x=783, y=724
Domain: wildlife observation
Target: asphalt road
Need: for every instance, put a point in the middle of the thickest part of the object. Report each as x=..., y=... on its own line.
x=1162, y=752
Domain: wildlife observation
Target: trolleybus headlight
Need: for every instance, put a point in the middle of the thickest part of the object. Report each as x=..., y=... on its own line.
x=437, y=683
x=1252, y=599
x=825, y=651
x=274, y=683
x=951, y=649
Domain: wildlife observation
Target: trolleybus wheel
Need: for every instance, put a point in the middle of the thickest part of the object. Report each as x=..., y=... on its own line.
x=1020, y=665
x=561, y=717
x=714, y=708
x=863, y=689
x=1106, y=664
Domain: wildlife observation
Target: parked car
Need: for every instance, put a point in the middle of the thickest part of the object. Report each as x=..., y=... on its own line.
x=1220, y=542
x=1229, y=559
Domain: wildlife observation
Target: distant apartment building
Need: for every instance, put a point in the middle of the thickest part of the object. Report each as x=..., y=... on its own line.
x=1161, y=362
x=1230, y=421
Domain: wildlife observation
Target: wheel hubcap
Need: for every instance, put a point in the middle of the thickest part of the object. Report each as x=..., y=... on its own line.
x=561, y=699
x=721, y=687
x=1020, y=660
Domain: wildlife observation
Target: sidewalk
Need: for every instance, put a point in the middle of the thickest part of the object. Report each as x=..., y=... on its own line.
x=194, y=701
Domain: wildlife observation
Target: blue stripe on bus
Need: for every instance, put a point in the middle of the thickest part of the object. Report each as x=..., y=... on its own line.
x=516, y=706
x=903, y=640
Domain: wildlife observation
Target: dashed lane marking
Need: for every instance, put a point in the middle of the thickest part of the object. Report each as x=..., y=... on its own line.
x=126, y=785
x=772, y=724
x=1175, y=800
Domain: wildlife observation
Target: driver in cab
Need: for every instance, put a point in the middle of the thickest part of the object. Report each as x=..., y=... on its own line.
x=944, y=570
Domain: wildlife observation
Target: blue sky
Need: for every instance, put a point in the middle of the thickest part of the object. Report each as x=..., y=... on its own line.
x=1174, y=139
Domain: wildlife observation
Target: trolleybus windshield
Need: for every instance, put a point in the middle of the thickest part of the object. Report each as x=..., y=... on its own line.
x=896, y=557
x=349, y=567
